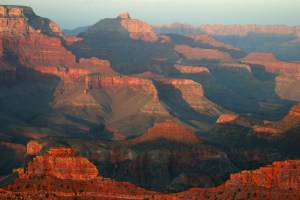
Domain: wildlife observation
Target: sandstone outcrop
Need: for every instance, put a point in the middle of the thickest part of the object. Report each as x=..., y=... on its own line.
x=277, y=181
x=290, y=121
x=37, y=44
x=191, y=69
x=108, y=82
x=34, y=148
x=241, y=120
x=271, y=63
x=169, y=130
x=236, y=66
x=121, y=28
x=61, y=163
x=227, y=118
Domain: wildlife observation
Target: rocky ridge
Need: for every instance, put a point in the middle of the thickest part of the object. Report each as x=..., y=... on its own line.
x=169, y=130
x=279, y=180
x=121, y=28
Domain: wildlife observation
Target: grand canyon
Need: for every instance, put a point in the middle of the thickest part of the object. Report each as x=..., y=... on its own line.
x=127, y=110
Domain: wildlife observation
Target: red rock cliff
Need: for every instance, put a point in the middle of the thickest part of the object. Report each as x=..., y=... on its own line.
x=281, y=180
x=62, y=163
x=271, y=63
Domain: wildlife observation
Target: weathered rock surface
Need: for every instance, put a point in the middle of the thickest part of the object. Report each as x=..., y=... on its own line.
x=154, y=160
x=33, y=148
x=191, y=69
x=200, y=54
x=277, y=181
x=271, y=63
x=61, y=163
x=290, y=121
x=169, y=130
x=59, y=174
x=121, y=28
x=278, y=39
x=241, y=120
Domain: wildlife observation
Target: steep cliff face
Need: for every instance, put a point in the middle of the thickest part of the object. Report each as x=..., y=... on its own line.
x=59, y=173
x=290, y=121
x=191, y=69
x=271, y=63
x=277, y=181
x=31, y=41
x=109, y=82
x=61, y=163
x=155, y=160
x=121, y=28
x=191, y=92
x=16, y=18
x=281, y=175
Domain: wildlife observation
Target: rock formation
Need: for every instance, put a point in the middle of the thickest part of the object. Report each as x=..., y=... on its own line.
x=290, y=121
x=191, y=69
x=240, y=120
x=60, y=173
x=206, y=39
x=279, y=180
x=271, y=63
x=169, y=130
x=61, y=163
x=278, y=39
x=200, y=54
x=121, y=28
x=33, y=148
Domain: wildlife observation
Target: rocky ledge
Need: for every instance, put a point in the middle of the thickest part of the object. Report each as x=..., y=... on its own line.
x=61, y=163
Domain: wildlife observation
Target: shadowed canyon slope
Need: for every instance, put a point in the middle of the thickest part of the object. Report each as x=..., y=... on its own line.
x=209, y=112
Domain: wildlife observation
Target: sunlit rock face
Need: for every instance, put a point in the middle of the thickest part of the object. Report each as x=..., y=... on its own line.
x=169, y=130
x=279, y=180
x=121, y=28
x=61, y=163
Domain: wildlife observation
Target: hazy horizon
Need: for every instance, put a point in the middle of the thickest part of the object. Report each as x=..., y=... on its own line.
x=71, y=14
